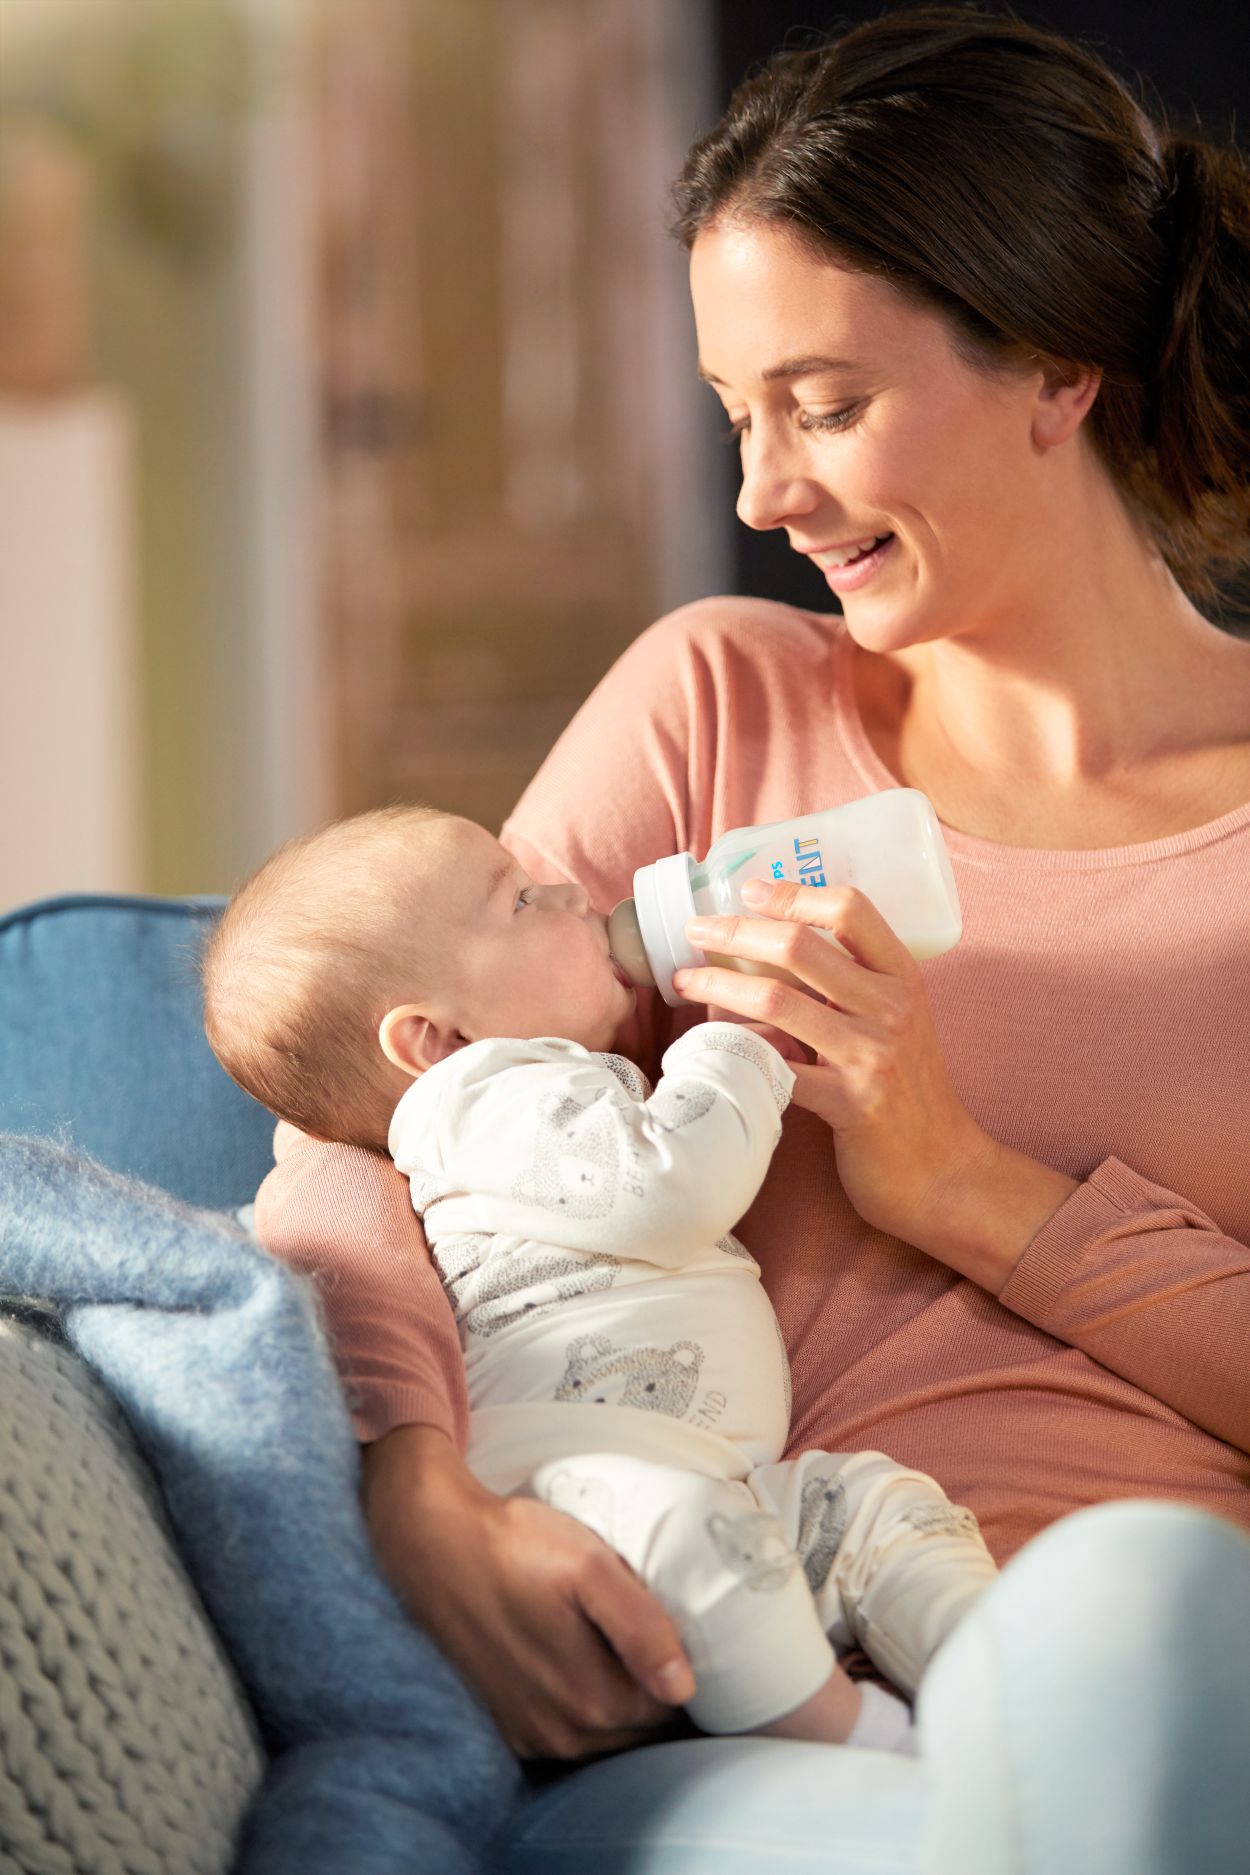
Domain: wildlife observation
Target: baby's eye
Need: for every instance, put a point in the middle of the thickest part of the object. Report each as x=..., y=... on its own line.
x=524, y=897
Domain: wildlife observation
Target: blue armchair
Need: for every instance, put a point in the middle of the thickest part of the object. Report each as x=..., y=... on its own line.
x=101, y=1047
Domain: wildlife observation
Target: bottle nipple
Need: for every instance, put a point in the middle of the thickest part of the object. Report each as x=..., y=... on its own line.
x=626, y=945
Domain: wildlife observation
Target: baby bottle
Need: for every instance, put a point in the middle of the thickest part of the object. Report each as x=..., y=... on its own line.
x=889, y=845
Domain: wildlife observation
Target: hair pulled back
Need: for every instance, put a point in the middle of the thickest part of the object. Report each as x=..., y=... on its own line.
x=1005, y=177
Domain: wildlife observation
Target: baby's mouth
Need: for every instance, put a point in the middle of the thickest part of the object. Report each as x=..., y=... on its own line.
x=620, y=973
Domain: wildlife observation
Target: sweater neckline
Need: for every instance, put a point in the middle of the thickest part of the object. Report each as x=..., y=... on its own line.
x=973, y=850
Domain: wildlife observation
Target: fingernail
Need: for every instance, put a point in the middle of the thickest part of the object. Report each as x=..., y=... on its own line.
x=680, y=979
x=676, y=1682
x=755, y=891
x=697, y=928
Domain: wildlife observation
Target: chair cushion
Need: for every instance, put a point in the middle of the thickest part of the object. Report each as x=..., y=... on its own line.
x=126, y=1746
x=102, y=1045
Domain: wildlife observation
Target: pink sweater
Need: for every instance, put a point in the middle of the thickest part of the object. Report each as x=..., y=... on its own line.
x=1094, y=1016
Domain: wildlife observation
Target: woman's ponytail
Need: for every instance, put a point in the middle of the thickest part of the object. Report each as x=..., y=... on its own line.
x=1195, y=477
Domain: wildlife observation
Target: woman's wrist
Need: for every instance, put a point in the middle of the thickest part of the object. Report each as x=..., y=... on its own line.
x=411, y=1479
x=990, y=1211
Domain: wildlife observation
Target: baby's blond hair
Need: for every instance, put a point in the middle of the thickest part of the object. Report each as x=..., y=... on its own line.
x=308, y=956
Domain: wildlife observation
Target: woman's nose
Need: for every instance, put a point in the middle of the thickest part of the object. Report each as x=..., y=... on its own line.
x=773, y=490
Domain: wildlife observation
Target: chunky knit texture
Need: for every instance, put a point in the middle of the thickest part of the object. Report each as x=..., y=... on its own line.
x=381, y=1762
x=126, y=1746
x=1093, y=1017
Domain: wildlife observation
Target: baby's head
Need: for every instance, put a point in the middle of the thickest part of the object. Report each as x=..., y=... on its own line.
x=357, y=957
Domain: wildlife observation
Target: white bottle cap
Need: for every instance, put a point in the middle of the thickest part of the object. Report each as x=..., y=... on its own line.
x=664, y=900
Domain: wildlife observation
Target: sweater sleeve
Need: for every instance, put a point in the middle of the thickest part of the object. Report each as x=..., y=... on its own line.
x=1148, y=1286
x=344, y=1217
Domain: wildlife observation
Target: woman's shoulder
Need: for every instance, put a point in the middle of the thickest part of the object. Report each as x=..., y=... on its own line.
x=734, y=627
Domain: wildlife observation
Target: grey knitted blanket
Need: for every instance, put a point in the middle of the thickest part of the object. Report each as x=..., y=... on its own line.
x=380, y=1760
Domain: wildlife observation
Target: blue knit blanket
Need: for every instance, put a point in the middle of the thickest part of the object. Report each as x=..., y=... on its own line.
x=381, y=1762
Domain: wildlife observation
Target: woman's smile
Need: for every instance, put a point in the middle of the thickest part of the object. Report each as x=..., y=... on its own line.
x=849, y=575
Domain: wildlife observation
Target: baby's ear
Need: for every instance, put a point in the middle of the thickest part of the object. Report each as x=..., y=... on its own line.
x=411, y=1040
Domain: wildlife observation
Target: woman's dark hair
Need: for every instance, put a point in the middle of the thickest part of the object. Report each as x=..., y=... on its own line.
x=1006, y=178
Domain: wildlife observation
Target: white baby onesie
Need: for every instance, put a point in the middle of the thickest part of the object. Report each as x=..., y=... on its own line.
x=624, y=1363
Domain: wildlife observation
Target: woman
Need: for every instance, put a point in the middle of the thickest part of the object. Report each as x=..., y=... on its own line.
x=960, y=297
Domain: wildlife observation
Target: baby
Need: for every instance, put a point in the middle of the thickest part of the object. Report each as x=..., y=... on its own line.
x=397, y=982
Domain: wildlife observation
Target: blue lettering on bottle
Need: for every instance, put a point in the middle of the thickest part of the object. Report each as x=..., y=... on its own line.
x=811, y=863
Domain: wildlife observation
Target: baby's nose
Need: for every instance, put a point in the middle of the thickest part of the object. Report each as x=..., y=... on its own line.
x=566, y=896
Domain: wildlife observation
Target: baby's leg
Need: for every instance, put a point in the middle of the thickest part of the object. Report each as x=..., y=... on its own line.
x=892, y=1563
x=724, y=1571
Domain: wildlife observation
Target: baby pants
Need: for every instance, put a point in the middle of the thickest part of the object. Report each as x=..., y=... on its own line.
x=767, y=1576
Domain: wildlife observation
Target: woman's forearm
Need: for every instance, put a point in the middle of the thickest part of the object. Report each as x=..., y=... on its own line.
x=983, y=1219
x=412, y=1481
x=1133, y=1275
x=1148, y=1285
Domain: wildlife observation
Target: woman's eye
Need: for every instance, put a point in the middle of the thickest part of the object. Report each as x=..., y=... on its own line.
x=828, y=419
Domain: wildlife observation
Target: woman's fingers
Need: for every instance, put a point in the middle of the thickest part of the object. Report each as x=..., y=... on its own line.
x=596, y=1663
x=764, y=1003
x=569, y=1695
x=638, y=1630
x=841, y=909
x=504, y=1585
x=793, y=933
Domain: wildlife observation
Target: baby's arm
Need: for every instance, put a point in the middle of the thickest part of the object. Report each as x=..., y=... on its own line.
x=542, y=1140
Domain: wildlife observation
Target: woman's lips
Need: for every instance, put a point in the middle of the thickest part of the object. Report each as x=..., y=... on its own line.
x=859, y=572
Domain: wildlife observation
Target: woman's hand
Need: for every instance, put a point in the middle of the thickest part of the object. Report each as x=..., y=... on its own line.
x=555, y=1632
x=903, y=1139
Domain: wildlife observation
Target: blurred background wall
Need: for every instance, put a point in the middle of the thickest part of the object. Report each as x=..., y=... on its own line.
x=347, y=409
x=349, y=426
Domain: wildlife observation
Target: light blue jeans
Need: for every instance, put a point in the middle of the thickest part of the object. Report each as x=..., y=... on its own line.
x=1091, y=1716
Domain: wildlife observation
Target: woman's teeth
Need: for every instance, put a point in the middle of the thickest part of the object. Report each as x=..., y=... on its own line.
x=842, y=556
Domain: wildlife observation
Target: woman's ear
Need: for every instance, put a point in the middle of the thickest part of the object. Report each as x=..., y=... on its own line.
x=1063, y=402
x=413, y=1041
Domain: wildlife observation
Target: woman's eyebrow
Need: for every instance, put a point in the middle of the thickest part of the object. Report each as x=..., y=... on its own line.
x=794, y=368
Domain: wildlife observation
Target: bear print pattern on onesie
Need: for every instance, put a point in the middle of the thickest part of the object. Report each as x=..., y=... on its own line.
x=531, y=1282
x=457, y=1260
x=576, y=1168
x=949, y=1519
x=752, y=1048
x=680, y=1103
x=822, y=1520
x=577, y=1149
x=632, y=1079
x=659, y=1380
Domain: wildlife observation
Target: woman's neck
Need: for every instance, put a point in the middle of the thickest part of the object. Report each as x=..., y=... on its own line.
x=1125, y=717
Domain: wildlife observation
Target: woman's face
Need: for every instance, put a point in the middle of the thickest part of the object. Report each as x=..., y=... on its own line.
x=858, y=420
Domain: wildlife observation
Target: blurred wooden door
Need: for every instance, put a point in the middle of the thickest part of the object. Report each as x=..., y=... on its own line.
x=491, y=256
